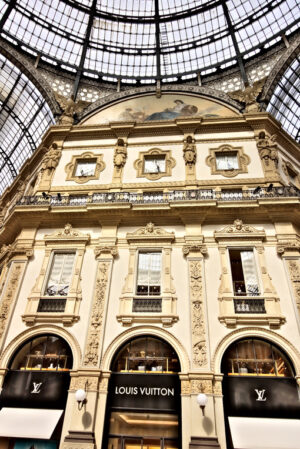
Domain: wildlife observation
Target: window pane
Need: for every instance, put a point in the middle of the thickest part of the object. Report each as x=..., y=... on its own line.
x=249, y=271
x=60, y=274
x=227, y=161
x=85, y=168
x=148, y=277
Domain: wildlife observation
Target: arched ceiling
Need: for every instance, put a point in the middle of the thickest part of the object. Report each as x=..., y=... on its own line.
x=145, y=40
x=24, y=118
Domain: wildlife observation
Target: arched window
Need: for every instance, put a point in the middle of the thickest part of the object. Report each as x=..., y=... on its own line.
x=255, y=357
x=45, y=352
x=146, y=354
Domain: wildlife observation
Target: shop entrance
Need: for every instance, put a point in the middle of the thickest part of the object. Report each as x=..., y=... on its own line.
x=143, y=406
x=260, y=396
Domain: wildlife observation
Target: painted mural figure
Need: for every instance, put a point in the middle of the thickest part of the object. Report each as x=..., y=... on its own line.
x=180, y=109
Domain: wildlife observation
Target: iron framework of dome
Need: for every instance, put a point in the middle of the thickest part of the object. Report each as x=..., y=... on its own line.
x=145, y=40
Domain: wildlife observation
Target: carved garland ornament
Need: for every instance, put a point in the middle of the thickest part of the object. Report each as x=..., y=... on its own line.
x=95, y=326
x=9, y=295
x=197, y=313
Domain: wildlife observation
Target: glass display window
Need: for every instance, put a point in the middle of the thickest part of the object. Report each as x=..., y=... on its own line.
x=46, y=352
x=254, y=357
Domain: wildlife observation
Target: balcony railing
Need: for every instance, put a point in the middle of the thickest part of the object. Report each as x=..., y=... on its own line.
x=247, y=305
x=52, y=305
x=146, y=305
x=175, y=196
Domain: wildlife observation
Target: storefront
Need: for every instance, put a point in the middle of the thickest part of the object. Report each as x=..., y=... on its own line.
x=34, y=394
x=261, y=397
x=143, y=406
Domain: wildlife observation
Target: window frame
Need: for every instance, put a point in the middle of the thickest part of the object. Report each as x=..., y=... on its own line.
x=242, y=159
x=70, y=168
x=49, y=269
x=143, y=251
x=139, y=164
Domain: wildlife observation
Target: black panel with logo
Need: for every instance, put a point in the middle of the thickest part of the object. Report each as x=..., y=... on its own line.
x=261, y=397
x=145, y=392
x=35, y=389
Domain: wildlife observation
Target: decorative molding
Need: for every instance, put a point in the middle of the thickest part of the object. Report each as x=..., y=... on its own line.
x=291, y=173
x=195, y=247
x=120, y=157
x=70, y=168
x=87, y=383
x=239, y=230
x=91, y=357
x=68, y=233
x=291, y=245
x=148, y=232
x=268, y=152
x=243, y=160
x=294, y=271
x=197, y=314
x=109, y=249
x=169, y=164
x=190, y=157
x=9, y=294
x=201, y=386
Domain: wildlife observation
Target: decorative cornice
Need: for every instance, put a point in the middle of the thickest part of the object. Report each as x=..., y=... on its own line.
x=14, y=249
x=196, y=247
x=239, y=230
x=148, y=232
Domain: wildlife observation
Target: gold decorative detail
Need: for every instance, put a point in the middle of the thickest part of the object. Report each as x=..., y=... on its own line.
x=9, y=295
x=242, y=158
x=70, y=168
x=169, y=164
x=217, y=388
x=112, y=250
x=249, y=95
x=201, y=386
x=84, y=382
x=95, y=326
x=70, y=108
x=197, y=314
x=185, y=387
x=103, y=387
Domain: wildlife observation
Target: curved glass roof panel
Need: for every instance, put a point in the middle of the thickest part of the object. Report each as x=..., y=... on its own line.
x=285, y=101
x=24, y=118
x=146, y=39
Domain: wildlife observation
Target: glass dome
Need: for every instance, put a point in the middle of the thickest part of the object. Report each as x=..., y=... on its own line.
x=144, y=40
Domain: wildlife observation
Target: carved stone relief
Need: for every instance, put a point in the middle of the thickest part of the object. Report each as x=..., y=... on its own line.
x=294, y=270
x=201, y=386
x=91, y=357
x=197, y=314
x=84, y=383
x=9, y=296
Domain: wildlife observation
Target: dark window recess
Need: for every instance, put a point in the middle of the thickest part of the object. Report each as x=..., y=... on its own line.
x=146, y=305
x=52, y=305
x=243, y=272
x=249, y=305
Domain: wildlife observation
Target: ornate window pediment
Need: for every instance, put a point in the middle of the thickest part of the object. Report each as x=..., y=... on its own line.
x=227, y=161
x=85, y=167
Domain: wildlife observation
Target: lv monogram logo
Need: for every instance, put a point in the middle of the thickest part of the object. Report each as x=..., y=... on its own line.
x=260, y=395
x=36, y=387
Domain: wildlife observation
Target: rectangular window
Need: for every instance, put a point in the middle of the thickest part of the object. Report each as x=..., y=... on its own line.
x=155, y=164
x=60, y=274
x=149, y=274
x=244, y=275
x=227, y=161
x=85, y=167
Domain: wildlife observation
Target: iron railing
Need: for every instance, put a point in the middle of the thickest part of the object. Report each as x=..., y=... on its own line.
x=147, y=305
x=52, y=305
x=247, y=305
x=175, y=196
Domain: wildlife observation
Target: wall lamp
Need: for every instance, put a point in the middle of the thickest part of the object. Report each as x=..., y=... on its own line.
x=202, y=401
x=80, y=396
